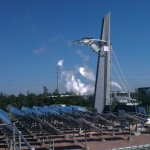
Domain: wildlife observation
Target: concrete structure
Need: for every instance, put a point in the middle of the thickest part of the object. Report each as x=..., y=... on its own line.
x=103, y=79
x=102, y=84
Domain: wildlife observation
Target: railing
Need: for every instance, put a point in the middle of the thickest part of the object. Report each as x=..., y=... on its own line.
x=12, y=143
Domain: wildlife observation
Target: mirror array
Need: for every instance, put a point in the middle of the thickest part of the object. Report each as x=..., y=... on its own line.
x=73, y=124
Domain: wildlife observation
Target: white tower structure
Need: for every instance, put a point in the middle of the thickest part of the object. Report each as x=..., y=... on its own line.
x=103, y=78
x=103, y=81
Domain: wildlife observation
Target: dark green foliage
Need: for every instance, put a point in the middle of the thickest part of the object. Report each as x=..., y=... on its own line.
x=143, y=99
x=46, y=98
x=45, y=91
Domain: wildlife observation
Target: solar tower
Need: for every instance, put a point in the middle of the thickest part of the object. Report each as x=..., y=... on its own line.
x=103, y=79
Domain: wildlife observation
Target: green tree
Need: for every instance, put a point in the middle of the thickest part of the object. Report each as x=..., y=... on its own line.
x=30, y=99
x=21, y=99
x=12, y=100
x=3, y=101
x=56, y=92
x=45, y=91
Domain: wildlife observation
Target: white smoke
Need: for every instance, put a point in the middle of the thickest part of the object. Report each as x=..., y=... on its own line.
x=60, y=63
x=116, y=84
x=87, y=73
x=76, y=86
x=73, y=83
x=83, y=56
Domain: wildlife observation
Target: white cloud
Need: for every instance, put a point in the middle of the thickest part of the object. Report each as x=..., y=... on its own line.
x=58, y=38
x=52, y=43
x=69, y=43
x=39, y=51
x=83, y=56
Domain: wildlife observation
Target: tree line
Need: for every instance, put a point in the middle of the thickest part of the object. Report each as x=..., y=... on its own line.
x=46, y=98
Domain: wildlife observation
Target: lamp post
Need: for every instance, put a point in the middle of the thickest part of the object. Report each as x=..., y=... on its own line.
x=94, y=44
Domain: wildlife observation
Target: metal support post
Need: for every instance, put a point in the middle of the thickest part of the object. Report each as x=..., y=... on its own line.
x=13, y=136
x=43, y=137
x=86, y=145
x=102, y=134
x=10, y=144
x=129, y=138
x=113, y=131
x=74, y=141
x=49, y=142
x=53, y=144
x=19, y=141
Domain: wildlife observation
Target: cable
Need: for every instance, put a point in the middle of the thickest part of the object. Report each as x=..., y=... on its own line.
x=120, y=70
x=119, y=78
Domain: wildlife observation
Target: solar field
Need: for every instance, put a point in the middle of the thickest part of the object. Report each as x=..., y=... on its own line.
x=69, y=128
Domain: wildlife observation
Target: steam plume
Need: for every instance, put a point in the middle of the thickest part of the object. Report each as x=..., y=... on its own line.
x=87, y=73
x=60, y=63
x=75, y=85
x=116, y=85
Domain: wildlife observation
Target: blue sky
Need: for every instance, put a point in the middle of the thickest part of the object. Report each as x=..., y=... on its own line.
x=35, y=35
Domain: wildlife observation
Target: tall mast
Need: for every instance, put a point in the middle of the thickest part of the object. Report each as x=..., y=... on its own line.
x=102, y=84
x=103, y=76
x=57, y=78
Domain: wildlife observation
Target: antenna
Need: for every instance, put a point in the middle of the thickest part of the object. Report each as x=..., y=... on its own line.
x=57, y=78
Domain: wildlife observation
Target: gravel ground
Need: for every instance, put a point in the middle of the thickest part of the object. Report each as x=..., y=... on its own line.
x=119, y=141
